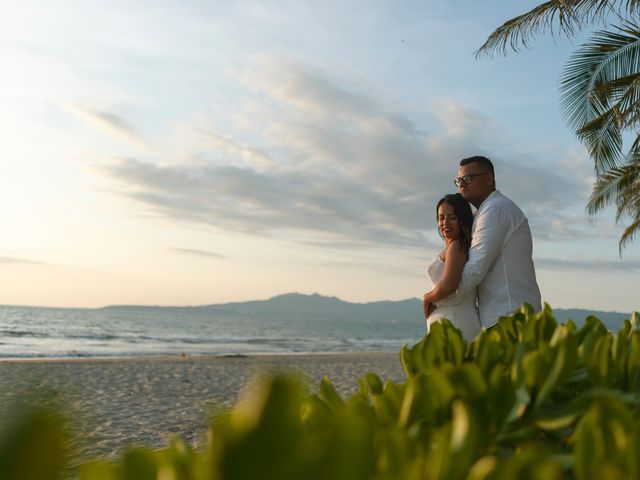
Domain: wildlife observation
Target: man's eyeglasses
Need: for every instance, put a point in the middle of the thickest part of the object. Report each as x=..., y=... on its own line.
x=466, y=179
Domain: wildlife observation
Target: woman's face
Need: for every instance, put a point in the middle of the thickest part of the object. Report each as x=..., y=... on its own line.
x=448, y=222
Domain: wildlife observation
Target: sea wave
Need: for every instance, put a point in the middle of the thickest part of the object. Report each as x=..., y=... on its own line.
x=49, y=333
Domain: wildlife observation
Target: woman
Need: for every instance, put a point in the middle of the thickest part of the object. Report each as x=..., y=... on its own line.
x=454, y=225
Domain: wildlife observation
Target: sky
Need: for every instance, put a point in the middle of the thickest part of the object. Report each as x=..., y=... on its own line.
x=189, y=153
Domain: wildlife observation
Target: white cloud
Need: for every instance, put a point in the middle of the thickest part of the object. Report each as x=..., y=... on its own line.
x=231, y=151
x=16, y=260
x=198, y=253
x=331, y=165
x=585, y=264
x=110, y=123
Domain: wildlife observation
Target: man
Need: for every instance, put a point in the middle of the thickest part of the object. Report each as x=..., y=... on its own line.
x=500, y=262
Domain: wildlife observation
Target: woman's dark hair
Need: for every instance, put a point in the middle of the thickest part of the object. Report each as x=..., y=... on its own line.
x=462, y=209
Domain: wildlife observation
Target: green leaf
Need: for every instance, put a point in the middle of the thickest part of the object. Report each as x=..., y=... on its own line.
x=396, y=454
x=180, y=461
x=329, y=393
x=468, y=381
x=433, y=351
x=633, y=363
x=406, y=359
x=33, y=447
x=533, y=461
x=605, y=445
x=598, y=358
x=501, y=395
x=374, y=382
x=562, y=420
x=393, y=391
x=261, y=436
x=345, y=452
x=533, y=366
x=565, y=352
x=139, y=464
x=455, y=346
x=98, y=470
x=426, y=399
x=315, y=412
x=387, y=411
x=491, y=350
x=458, y=445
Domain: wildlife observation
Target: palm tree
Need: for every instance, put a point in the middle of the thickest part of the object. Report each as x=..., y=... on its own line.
x=600, y=93
x=600, y=89
x=567, y=16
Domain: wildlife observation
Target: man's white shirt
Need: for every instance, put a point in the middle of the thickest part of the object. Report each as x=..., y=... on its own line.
x=500, y=261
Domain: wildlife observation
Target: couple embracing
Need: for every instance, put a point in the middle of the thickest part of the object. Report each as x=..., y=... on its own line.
x=486, y=268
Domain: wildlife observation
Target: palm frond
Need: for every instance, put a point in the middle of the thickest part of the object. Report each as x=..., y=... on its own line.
x=634, y=151
x=600, y=92
x=605, y=190
x=628, y=235
x=628, y=202
x=607, y=57
x=603, y=139
x=612, y=186
x=626, y=88
x=570, y=16
x=620, y=186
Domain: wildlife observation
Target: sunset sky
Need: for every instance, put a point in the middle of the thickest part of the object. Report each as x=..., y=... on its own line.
x=187, y=153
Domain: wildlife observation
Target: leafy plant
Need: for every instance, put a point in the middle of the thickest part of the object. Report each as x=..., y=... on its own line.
x=529, y=398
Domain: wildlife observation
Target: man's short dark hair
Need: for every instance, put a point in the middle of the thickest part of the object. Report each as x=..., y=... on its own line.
x=482, y=161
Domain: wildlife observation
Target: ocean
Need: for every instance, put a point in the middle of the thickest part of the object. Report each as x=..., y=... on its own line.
x=36, y=332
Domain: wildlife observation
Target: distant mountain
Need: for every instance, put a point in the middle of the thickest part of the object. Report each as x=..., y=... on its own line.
x=612, y=320
x=318, y=306
x=312, y=307
x=303, y=307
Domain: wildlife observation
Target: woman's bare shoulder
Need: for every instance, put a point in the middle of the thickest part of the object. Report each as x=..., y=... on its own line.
x=454, y=251
x=453, y=245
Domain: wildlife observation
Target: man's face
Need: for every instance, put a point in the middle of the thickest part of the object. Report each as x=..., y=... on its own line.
x=475, y=183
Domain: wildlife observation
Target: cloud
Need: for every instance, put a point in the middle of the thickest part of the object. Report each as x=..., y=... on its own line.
x=630, y=266
x=24, y=261
x=403, y=271
x=242, y=155
x=328, y=210
x=110, y=123
x=198, y=253
x=329, y=165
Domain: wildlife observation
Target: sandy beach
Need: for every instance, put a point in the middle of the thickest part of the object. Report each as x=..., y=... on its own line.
x=120, y=402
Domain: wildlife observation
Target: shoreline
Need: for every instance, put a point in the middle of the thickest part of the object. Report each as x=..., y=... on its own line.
x=143, y=400
x=187, y=356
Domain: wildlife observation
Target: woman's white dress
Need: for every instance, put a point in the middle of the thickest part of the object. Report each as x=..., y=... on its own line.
x=460, y=310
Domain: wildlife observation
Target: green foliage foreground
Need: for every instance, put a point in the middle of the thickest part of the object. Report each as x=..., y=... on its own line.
x=528, y=398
